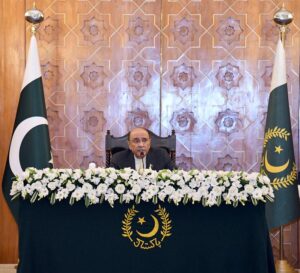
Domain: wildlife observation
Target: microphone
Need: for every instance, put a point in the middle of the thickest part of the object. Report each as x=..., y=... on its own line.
x=142, y=153
x=141, y=157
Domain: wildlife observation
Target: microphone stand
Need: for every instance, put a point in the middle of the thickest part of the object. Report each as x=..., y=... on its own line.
x=141, y=170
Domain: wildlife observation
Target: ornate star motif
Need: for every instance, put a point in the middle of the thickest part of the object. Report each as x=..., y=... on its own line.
x=229, y=122
x=183, y=120
x=51, y=28
x=94, y=30
x=184, y=30
x=141, y=220
x=138, y=118
x=93, y=76
x=229, y=30
x=138, y=30
x=228, y=163
x=278, y=149
x=183, y=76
x=93, y=121
x=229, y=76
x=138, y=76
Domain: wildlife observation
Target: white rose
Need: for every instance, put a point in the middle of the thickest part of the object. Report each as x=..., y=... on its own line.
x=136, y=189
x=127, y=197
x=28, y=189
x=153, y=189
x=211, y=201
x=92, y=165
x=45, y=181
x=38, y=175
x=61, y=194
x=109, y=180
x=135, y=175
x=111, y=197
x=265, y=180
x=52, y=185
x=217, y=191
x=169, y=190
x=236, y=184
x=36, y=186
x=176, y=197
x=101, y=189
x=95, y=180
x=227, y=184
x=27, y=174
x=175, y=177
x=186, y=176
x=77, y=194
x=257, y=194
x=161, y=196
x=196, y=196
x=180, y=183
x=64, y=176
x=43, y=192
x=194, y=184
x=242, y=196
x=146, y=196
x=13, y=189
x=203, y=191
x=70, y=186
x=87, y=187
x=92, y=196
x=120, y=188
x=88, y=174
x=233, y=190
x=249, y=188
x=125, y=175
x=113, y=176
x=77, y=174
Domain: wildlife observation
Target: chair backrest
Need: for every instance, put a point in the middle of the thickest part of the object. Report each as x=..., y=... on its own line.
x=117, y=144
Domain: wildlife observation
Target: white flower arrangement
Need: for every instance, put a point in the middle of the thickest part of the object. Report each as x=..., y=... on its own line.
x=96, y=185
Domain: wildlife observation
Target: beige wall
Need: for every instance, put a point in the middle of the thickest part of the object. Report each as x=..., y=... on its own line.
x=202, y=68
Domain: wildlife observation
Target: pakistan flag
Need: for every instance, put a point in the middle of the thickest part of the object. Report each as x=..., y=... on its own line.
x=30, y=143
x=278, y=160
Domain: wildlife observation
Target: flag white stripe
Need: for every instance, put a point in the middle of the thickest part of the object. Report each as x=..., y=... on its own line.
x=33, y=68
x=279, y=78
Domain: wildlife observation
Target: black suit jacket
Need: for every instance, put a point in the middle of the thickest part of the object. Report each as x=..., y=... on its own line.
x=158, y=158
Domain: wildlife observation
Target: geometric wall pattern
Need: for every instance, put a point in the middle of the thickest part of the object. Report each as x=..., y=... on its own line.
x=201, y=67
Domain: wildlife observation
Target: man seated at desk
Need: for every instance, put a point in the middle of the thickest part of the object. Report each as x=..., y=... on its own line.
x=140, y=154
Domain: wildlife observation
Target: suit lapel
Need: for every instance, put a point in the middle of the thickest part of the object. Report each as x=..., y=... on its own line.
x=150, y=160
x=131, y=161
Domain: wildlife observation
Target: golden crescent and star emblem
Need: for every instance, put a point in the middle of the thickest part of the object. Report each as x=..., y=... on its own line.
x=159, y=223
x=275, y=169
x=152, y=232
x=283, y=174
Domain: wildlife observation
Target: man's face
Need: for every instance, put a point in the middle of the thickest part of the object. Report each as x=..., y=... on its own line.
x=139, y=142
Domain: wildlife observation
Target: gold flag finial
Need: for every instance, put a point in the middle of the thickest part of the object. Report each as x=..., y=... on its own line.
x=35, y=17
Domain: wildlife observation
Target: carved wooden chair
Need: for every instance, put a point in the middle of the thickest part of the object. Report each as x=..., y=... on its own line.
x=116, y=144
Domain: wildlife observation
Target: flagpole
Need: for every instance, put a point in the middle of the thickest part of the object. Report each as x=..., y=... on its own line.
x=283, y=18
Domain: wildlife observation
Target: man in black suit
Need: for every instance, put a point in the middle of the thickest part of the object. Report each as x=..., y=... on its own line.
x=141, y=155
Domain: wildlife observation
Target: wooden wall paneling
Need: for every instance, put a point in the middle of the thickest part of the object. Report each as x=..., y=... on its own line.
x=217, y=65
x=12, y=60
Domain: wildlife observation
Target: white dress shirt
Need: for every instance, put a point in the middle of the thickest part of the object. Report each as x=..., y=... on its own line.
x=140, y=163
